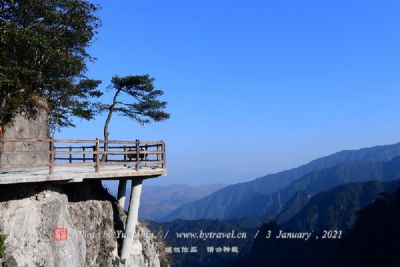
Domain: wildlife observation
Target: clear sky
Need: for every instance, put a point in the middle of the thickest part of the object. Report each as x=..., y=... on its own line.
x=254, y=87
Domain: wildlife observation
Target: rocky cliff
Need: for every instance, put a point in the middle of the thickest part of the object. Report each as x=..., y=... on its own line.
x=26, y=127
x=69, y=225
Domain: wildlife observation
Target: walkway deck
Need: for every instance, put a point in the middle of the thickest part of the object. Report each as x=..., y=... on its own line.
x=75, y=174
x=76, y=160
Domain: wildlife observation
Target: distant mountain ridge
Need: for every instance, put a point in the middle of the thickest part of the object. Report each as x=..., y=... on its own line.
x=268, y=206
x=336, y=208
x=159, y=200
x=238, y=200
x=373, y=240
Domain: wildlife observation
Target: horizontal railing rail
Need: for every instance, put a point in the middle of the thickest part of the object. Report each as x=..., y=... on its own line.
x=85, y=152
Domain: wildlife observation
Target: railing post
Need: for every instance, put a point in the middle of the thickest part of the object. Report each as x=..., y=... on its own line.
x=146, y=155
x=70, y=154
x=1, y=142
x=52, y=155
x=158, y=148
x=84, y=154
x=137, y=154
x=97, y=154
x=164, y=164
x=124, y=153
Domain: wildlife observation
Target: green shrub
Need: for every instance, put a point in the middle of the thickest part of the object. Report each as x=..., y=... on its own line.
x=2, y=245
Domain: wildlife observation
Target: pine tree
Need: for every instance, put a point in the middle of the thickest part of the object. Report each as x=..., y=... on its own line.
x=43, y=54
x=140, y=101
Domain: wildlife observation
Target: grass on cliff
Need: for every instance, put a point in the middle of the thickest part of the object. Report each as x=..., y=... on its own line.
x=2, y=245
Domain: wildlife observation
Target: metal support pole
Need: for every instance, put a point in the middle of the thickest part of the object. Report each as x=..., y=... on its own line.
x=131, y=222
x=121, y=192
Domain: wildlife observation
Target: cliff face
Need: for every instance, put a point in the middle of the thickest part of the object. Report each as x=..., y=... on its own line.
x=23, y=127
x=68, y=225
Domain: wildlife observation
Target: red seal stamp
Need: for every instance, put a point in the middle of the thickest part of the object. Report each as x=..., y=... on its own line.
x=60, y=234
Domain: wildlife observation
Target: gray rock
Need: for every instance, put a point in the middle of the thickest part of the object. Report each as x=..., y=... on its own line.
x=144, y=252
x=29, y=227
x=23, y=127
x=29, y=215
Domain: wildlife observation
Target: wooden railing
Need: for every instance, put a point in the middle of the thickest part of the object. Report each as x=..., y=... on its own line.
x=75, y=153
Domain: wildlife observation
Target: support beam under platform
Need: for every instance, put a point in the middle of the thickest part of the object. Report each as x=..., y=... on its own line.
x=131, y=222
x=121, y=193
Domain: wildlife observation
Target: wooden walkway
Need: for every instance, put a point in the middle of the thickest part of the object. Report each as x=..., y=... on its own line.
x=33, y=160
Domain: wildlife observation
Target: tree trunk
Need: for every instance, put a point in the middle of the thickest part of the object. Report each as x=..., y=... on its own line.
x=106, y=133
x=107, y=124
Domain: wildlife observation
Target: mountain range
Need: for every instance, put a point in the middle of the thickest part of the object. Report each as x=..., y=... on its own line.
x=266, y=197
x=335, y=209
x=373, y=240
x=159, y=200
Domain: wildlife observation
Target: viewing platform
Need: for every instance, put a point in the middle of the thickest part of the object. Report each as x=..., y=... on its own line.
x=34, y=160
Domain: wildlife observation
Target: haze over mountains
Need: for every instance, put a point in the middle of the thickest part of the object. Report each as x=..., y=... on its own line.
x=266, y=196
x=335, y=209
x=158, y=201
x=327, y=193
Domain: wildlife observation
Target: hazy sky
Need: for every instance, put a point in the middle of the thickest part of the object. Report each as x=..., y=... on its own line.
x=254, y=86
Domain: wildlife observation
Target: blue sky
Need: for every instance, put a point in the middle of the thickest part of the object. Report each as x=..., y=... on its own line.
x=254, y=87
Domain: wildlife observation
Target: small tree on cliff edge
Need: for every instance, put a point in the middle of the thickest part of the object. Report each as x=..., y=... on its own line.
x=43, y=54
x=136, y=98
